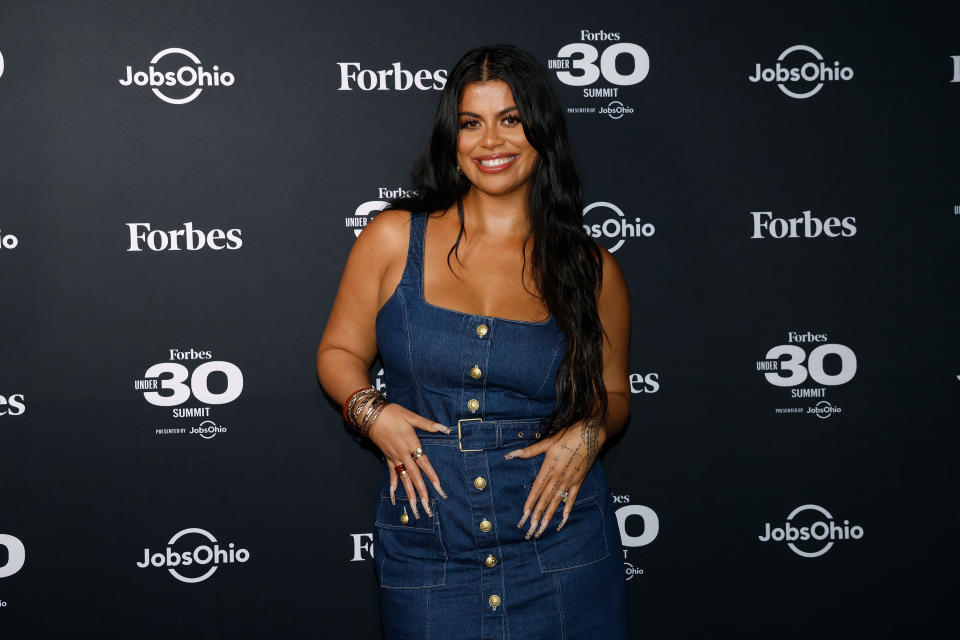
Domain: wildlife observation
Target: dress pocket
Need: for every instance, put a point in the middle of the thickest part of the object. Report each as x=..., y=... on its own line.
x=582, y=540
x=411, y=555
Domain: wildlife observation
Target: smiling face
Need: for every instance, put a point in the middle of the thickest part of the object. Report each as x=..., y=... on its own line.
x=492, y=149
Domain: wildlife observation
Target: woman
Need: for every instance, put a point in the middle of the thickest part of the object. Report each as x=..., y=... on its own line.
x=503, y=331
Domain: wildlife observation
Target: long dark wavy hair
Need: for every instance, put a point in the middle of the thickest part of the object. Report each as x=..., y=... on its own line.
x=567, y=266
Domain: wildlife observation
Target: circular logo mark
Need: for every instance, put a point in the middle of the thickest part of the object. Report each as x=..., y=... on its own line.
x=197, y=551
x=807, y=71
x=184, y=81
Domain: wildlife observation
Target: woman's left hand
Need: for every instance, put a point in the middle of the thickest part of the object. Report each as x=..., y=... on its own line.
x=569, y=456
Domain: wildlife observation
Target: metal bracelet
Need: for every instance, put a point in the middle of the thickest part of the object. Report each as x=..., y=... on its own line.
x=368, y=403
x=368, y=423
x=352, y=401
x=356, y=402
x=370, y=408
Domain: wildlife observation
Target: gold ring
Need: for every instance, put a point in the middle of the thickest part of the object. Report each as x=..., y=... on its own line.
x=417, y=453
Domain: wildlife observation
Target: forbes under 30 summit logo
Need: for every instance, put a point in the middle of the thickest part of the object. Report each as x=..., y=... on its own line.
x=601, y=57
x=191, y=377
x=16, y=555
x=812, y=368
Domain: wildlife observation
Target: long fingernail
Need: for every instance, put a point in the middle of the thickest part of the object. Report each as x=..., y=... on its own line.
x=509, y=456
x=413, y=507
x=426, y=507
x=446, y=430
x=526, y=514
x=436, y=485
x=393, y=498
x=562, y=522
x=533, y=526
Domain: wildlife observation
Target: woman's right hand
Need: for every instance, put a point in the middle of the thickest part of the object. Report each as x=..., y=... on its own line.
x=394, y=433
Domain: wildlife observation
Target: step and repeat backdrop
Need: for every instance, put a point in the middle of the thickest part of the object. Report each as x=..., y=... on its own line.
x=181, y=183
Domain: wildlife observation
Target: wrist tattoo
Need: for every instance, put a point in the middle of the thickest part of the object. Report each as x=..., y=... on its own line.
x=590, y=436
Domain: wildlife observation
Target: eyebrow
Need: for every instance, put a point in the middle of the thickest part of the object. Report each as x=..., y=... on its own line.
x=477, y=115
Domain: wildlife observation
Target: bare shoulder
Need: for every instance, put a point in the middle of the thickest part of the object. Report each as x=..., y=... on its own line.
x=388, y=230
x=384, y=240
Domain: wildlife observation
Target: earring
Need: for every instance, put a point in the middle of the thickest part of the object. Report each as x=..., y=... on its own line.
x=459, y=170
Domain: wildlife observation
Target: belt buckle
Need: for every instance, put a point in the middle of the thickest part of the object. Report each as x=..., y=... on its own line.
x=460, y=434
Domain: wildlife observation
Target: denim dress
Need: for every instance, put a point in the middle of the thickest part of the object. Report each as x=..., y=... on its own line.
x=467, y=572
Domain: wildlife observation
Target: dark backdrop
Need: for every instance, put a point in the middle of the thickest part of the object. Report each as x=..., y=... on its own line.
x=847, y=434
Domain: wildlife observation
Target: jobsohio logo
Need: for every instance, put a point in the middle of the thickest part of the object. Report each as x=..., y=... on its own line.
x=176, y=85
x=193, y=555
x=810, y=531
x=800, y=72
x=611, y=227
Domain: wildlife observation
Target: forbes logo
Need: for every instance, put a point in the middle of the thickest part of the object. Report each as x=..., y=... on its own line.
x=12, y=405
x=187, y=238
x=765, y=225
x=644, y=383
x=352, y=76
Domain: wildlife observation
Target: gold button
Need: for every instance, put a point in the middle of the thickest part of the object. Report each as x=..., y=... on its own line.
x=491, y=561
x=480, y=483
x=475, y=372
x=482, y=330
x=494, y=601
x=485, y=526
x=404, y=519
x=473, y=404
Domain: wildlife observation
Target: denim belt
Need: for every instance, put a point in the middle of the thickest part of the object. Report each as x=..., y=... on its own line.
x=477, y=434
